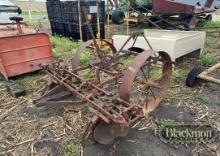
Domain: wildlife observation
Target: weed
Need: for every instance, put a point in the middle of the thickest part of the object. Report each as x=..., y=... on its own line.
x=2, y=86
x=213, y=24
x=204, y=24
x=85, y=110
x=64, y=48
x=87, y=74
x=206, y=60
x=84, y=58
x=72, y=150
x=32, y=81
x=126, y=62
x=156, y=74
x=178, y=74
x=172, y=97
x=167, y=122
x=208, y=41
x=34, y=12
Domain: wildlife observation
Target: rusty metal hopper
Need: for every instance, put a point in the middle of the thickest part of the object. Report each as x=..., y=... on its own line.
x=24, y=53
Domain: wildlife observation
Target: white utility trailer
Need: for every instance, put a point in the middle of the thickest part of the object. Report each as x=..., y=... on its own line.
x=175, y=43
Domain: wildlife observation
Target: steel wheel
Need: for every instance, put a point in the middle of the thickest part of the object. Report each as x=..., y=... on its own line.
x=146, y=83
x=88, y=50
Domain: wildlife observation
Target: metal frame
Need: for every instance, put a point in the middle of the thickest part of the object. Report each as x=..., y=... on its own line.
x=114, y=109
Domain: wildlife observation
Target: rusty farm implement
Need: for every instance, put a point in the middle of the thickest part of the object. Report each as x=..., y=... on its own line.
x=120, y=86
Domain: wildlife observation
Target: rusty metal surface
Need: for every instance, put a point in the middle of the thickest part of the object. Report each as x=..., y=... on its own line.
x=24, y=53
x=114, y=110
x=11, y=30
x=170, y=7
x=131, y=73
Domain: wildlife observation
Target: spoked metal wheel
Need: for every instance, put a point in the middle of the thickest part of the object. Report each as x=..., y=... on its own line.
x=147, y=80
x=88, y=52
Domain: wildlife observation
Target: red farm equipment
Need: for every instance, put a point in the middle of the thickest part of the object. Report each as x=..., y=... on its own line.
x=22, y=50
x=163, y=14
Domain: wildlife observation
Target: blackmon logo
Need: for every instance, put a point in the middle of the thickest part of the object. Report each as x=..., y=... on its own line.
x=188, y=134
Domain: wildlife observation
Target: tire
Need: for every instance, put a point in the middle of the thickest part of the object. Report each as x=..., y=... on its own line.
x=136, y=49
x=118, y=17
x=192, y=79
x=208, y=17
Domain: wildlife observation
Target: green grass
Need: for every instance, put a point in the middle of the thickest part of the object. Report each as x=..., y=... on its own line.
x=32, y=81
x=72, y=150
x=178, y=74
x=208, y=41
x=63, y=47
x=206, y=60
x=88, y=74
x=126, y=62
x=204, y=24
x=85, y=110
x=2, y=85
x=167, y=122
x=172, y=97
x=84, y=58
x=40, y=12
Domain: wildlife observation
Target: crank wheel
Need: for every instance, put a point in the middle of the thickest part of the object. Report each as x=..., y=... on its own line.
x=147, y=80
x=86, y=53
x=106, y=133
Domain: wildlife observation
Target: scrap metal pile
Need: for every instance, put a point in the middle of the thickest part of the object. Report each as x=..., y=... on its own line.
x=118, y=95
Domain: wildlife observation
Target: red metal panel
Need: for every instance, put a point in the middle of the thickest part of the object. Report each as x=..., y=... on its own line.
x=24, y=53
x=27, y=67
x=209, y=3
x=2, y=70
x=169, y=7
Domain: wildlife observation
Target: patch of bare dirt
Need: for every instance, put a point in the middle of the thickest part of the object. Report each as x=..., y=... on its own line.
x=28, y=130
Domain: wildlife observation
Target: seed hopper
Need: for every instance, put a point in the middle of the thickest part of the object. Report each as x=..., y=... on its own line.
x=22, y=49
x=120, y=86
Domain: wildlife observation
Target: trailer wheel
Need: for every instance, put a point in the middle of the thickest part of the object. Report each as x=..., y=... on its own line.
x=118, y=17
x=209, y=17
x=192, y=79
x=136, y=49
